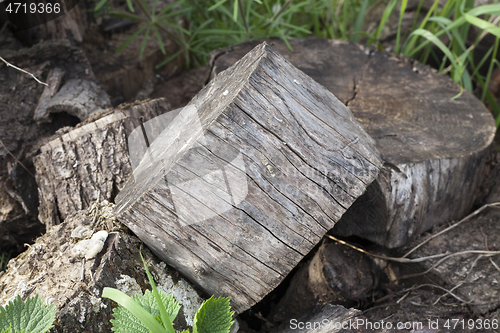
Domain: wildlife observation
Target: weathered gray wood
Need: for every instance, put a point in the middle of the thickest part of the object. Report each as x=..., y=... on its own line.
x=78, y=97
x=248, y=177
x=336, y=274
x=88, y=162
x=434, y=148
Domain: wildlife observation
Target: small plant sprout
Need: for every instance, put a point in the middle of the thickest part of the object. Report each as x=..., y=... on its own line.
x=155, y=311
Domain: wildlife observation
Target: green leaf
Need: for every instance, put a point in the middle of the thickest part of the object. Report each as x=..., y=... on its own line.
x=167, y=318
x=144, y=41
x=160, y=41
x=100, y=4
x=358, y=24
x=217, y=4
x=130, y=7
x=30, y=316
x=8, y=330
x=127, y=321
x=214, y=316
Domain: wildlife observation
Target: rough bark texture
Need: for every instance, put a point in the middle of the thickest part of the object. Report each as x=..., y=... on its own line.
x=51, y=269
x=21, y=136
x=327, y=318
x=335, y=275
x=89, y=162
x=247, y=179
x=434, y=148
x=474, y=277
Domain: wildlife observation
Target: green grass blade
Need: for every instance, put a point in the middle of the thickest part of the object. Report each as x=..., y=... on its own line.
x=160, y=41
x=235, y=11
x=433, y=39
x=217, y=4
x=383, y=21
x=164, y=315
x=130, y=6
x=100, y=4
x=169, y=59
x=400, y=22
x=128, y=303
x=490, y=68
x=360, y=18
x=482, y=24
x=414, y=39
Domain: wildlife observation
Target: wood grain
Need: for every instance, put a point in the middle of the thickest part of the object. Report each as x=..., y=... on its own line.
x=247, y=179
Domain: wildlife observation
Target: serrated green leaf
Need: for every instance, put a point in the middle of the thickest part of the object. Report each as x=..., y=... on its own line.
x=214, y=316
x=30, y=316
x=126, y=322
x=8, y=330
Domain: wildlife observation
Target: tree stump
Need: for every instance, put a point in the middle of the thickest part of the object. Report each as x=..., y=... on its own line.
x=247, y=179
x=433, y=147
x=89, y=162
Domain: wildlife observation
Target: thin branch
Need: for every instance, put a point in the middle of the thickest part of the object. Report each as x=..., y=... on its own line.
x=22, y=70
x=476, y=212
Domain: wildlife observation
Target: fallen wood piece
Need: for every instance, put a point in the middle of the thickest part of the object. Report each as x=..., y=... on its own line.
x=247, y=179
x=433, y=147
x=328, y=318
x=471, y=269
x=52, y=268
x=335, y=275
x=89, y=162
x=78, y=97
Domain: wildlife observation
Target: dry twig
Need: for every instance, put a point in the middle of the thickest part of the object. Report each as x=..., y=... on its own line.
x=22, y=70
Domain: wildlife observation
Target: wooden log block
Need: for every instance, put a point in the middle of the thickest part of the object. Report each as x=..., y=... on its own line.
x=433, y=147
x=88, y=162
x=247, y=179
x=336, y=274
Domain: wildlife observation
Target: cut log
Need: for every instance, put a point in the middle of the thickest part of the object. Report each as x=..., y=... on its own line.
x=53, y=269
x=89, y=162
x=247, y=179
x=336, y=274
x=433, y=147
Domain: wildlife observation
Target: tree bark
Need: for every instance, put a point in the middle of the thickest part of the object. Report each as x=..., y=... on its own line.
x=89, y=162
